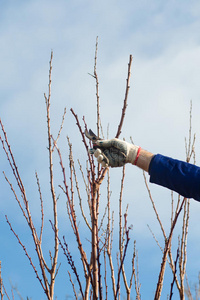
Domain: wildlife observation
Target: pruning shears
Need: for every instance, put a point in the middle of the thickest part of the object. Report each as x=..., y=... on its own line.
x=92, y=136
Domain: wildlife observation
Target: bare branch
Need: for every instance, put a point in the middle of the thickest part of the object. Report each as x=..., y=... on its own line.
x=71, y=263
x=72, y=213
x=188, y=291
x=124, y=255
x=77, y=186
x=105, y=276
x=30, y=260
x=97, y=88
x=73, y=286
x=172, y=284
x=51, y=175
x=164, y=259
x=155, y=238
x=1, y=284
x=125, y=99
x=135, y=273
x=87, y=188
x=154, y=207
x=61, y=127
x=84, y=141
x=103, y=217
x=42, y=209
x=121, y=237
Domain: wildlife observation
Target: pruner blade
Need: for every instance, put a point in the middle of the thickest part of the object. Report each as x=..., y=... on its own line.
x=91, y=136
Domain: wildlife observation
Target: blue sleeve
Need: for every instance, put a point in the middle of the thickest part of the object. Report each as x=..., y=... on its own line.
x=179, y=176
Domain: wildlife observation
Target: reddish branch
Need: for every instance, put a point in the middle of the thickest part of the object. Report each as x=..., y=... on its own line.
x=24, y=248
x=166, y=251
x=42, y=208
x=94, y=187
x=84, y=141
x=1, y=284
x=97, y=88
x=54, y=200
x=73, y=216
x=11, y=159
x=94, y=241
x=70, y=260
x=126, y=98
x=174, y=277
x=124, y=255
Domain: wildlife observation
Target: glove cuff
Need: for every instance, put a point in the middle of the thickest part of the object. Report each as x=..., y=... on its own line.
x=138, y=154
x=133, y=154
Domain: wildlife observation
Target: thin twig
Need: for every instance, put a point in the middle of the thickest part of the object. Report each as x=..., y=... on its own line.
x=154, y=207
x=188, y=291
x=164, y=259
x=97, y=88
x=155, y=238
x=71, y=263
x=73, y=217
x=123, y=258
x=84, y=140
x=1, y=284
x=105, y=276
x=73, y=286
x=135, y=273
x=103, y=217
x=125, y=99
x=51, y=175
x=61, y=127
x=42, y=208
x=11, y=159
x=172, y=284
x=25, y=250
x=77, y=186
x=121, y=238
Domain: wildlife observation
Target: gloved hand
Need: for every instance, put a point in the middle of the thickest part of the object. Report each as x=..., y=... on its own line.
x=115, y=153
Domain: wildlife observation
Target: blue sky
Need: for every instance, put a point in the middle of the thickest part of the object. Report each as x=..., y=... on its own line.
x=163, y=37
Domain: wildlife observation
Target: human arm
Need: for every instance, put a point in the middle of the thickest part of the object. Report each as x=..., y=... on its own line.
x=144, y=160
x=115, y=153
x=176, y=175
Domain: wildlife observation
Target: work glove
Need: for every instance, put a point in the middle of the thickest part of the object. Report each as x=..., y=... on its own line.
x=115, y=152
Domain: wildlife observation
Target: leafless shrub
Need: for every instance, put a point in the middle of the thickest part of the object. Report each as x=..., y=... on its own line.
x=98, y=266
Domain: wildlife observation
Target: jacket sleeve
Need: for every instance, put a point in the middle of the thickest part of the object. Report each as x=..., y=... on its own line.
x=179, y=176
